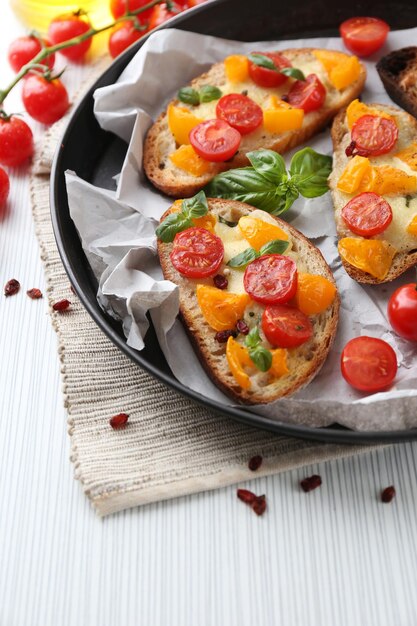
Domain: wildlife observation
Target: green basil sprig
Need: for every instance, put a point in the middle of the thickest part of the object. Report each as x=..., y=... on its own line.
x=260, y=356
x=191, y=96
x=276, y=246
x=263, y=61
x=267, y=185
x=176, y=222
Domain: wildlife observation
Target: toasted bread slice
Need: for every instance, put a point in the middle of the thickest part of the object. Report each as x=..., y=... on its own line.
x=398, y=72
x=403, y=207
x=160, y=142
x=303, y=362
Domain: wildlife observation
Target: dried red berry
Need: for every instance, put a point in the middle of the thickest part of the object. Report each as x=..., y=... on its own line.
x=246, y=496
x=34, y=293
x=61, y=305
x=220, y=281
x=350, y=149
x=255, y=463
x=11, y=287
x=388, y=494
x=119, y=421
x=242, y=327
x=259, y=506
x=223, y=335
x=310, y=483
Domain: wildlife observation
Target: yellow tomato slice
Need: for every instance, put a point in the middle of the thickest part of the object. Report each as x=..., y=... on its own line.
x=188, y=160
x=181, y=121
x=280, y=120
x=345, y=73
x=412, y=227
x=315, y=293
x=279, y=365
x=409, y=156
x=373, y=256
x=237, y=68
x=238, y=357
x=351, y=177
x=221, y=309
x=258, y=232
x=357, y=109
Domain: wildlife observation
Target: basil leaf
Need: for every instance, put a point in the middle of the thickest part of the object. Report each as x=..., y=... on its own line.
x=209, y=93
x=262, y=61
x=293, y=72
x=261, y=357
x=173, y=224
x=277, y=246
x=189, y=96
x=253, y=338
x=196, y=206
x=309, y=172
x=243, y=259
x=290, y=193
x=269, y=164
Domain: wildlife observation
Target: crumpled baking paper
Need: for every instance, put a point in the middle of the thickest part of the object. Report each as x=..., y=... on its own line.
x=117, y=233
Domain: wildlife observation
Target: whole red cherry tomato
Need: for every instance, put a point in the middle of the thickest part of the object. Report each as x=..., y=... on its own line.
x=161, y=13
x=66, y=27
x=368, y=364
x=118, y=8
x=364, y=35
x=197, y=253
x=16, y=140
x=367, y=214
x=215, y=140
x=46, y=100
x=402, y=311
x=4, y=190
x=265, y=77
x=271, y=279
x=23, y=49
x=373, y=135
x=194, y=3
x=240, y=112
x=285, y=326
x=308, y=94
x=122, y=37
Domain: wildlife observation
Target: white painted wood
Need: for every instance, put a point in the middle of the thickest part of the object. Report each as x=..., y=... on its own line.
x=334, y=556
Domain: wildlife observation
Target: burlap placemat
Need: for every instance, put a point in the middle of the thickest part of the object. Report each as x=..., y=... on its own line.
x=171, y=446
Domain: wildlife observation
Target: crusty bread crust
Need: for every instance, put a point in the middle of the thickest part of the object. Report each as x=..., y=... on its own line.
x=402, y=260
x=160, y=143
x=398, y=72
x=304, y=362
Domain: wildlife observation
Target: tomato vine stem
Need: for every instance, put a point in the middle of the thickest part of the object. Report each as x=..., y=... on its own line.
x=47, y=50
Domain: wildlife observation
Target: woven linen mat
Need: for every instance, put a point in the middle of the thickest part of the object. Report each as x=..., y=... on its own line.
x=171, y=446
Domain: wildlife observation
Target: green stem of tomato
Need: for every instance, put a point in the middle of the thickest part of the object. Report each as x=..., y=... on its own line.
x=130, y=16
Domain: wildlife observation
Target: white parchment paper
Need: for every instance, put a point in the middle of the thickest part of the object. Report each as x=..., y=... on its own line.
x=117, y=233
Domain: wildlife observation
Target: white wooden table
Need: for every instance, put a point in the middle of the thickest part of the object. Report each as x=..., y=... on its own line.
x=336, y=556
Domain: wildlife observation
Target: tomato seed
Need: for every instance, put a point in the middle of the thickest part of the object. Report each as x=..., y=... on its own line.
x=61, y=305
x=220, y=281
x=11, y=287
x=118, y=421
x=310, y=483
x=388, y=494
x=246, y=496
x=34, y=293
x=255, y=463
x=259, y=506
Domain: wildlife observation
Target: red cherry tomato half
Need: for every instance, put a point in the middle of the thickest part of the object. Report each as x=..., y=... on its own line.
x=16, y=141
x=271, y=279
x=45, y=100
x=118, y=8
x=373, y=135
x=240, y=112
x=197, y=253
x=308, y=94
x=215, y=140
x=4, y=190
x=66, y=27
x=402, y=311
x=23, y=49
x=264, y=77
x=161, y=13
x=368, y=364
x=285, y=326
x=364, y=35
x=367, y=214
x=122, y=37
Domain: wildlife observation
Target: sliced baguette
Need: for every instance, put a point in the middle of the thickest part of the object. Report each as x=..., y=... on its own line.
x=160, y=143
x=304, y=362
x=403, y=260
x=398, y=72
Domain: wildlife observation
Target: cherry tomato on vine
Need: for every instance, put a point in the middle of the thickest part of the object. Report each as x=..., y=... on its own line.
x=373, y=135
x=161, y=13
x=402, y=311
x=215, y=140
x=197, y=253
x=308, y=94
x=367, y=214
x=118, y=8
x=23, y=49
x=368, y=364
x=16, y=140
x=66, y=27
x=4, y=190
x=46, y=100
x=264, y=77
x=240, y=112
x=285, y=326
x=271, y=279
x=122, y=37
x=364, y=35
